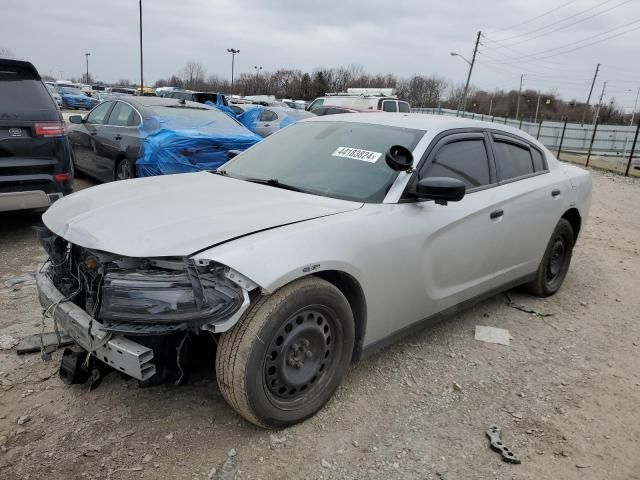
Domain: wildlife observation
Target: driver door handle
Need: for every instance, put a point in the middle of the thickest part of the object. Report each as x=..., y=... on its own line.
x=118, y=137
x=496, y=214
x=555, y=193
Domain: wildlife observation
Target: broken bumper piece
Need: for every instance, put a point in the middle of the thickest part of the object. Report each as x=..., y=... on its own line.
x=118, y=352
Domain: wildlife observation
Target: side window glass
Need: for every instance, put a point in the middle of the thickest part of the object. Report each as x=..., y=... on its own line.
x=98, y=115
x=123, y=115
x=404, y=107
x=268, y=116
x=465, y=160
x=538, y=160
x=512, y=160
x=389, y=106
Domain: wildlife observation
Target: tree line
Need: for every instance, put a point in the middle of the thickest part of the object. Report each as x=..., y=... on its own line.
x=419, y=90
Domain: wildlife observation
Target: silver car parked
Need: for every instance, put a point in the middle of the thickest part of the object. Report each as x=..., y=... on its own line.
x=315, y=247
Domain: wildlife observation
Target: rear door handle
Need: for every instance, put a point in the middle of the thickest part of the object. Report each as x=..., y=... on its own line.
x=496, y=214
x=118, y=137
x=555, y=193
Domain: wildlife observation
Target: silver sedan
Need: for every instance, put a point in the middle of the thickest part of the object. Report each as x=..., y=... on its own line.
x=313, y=248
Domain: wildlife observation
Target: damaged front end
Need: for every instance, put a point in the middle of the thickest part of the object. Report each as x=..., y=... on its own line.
x=127, y=311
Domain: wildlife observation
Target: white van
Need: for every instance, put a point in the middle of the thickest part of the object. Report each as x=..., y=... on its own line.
x=363, y=102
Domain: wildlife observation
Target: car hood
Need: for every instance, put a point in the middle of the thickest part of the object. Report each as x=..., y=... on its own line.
x=178, y=215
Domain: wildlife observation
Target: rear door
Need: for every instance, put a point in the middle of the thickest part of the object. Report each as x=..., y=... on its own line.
x=531, y=205
x=267, y=123
x=123, y=131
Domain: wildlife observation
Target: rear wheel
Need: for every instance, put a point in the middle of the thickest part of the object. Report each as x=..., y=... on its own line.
x=555, y=262
x=287, y=355
x=124, y=170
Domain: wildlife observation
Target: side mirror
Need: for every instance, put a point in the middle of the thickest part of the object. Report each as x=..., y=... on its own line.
x=441, y=189
x=77, y=119
x=233, y=153
x=399, y=158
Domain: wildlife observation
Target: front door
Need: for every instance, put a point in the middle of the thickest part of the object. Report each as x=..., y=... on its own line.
x=86, y=140
x=460, y=241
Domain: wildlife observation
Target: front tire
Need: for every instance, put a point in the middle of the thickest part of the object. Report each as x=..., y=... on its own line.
x=288, y=353
x=555, y=262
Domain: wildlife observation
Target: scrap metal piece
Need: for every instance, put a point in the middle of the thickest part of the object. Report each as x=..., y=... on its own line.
x=49, y=341
x=493, y=432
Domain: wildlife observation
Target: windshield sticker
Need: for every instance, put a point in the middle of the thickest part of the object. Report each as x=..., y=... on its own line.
x=357, y=154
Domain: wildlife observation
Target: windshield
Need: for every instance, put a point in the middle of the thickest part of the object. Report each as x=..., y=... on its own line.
x=335, y=159
x=71, y=91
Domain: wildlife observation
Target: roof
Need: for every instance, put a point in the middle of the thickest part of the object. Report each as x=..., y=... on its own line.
x=21, y=63
x=419, y=121
x=160, y=101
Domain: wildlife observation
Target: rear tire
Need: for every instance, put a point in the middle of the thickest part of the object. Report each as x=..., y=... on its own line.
x=124, y=170
x=555, y=262
x=288, y=353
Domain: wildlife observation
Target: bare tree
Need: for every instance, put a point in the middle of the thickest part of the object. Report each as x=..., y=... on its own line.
x=194, y=73
x=6, y=52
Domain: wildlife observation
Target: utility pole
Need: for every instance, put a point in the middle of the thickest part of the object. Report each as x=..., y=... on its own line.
x=86, y=57
x=233, y=53
x=257, y=72
x=537, y=108
x=141, y=69
x=635, y=105
x=595, y=75
x=519, y=95
x=604, y=86
x=466, y=85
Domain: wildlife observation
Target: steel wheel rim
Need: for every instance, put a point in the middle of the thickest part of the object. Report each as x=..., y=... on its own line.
x=557, y=257
x=123, y=171
x=301, y=357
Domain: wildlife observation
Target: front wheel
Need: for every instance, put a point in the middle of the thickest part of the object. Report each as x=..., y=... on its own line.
x=555, y=262
x=288, y=353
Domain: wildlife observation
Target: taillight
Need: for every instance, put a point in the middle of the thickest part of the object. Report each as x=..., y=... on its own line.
x=48, y=129
x=62, y=177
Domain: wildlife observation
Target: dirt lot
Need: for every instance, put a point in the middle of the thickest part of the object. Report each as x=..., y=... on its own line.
x=566, y=392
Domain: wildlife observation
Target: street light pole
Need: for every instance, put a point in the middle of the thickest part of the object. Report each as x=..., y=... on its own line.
x=233, y=53
x=86, y=57
x=258, y=68
x=141, y=64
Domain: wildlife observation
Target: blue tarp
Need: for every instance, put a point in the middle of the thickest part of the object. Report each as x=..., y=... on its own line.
x=250, y=117
x=174, y=145
x=223, y=108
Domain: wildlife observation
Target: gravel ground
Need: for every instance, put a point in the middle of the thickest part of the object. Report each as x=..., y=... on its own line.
x=566, y=392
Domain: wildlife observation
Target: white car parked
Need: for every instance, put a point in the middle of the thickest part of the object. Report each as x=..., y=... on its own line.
x=313, y=248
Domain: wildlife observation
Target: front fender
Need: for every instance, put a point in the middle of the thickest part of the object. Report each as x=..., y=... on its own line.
x=278, y=256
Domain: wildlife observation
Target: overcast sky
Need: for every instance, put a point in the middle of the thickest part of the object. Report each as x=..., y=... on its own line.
x=403, y=37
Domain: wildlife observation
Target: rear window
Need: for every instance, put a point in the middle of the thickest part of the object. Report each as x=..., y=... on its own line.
x=23, y=96
x=404, y=107
x=512, y=160
x=190, y=117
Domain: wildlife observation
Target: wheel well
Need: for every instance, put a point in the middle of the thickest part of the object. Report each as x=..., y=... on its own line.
x=352, y=290
x=573, y=217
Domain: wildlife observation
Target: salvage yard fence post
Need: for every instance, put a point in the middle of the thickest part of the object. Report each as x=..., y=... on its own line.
x=633, y=149
x=593, y=137
x=564, y=127
x=539, y=128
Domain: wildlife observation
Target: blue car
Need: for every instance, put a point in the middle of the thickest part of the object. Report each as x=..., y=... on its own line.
x=75, y=98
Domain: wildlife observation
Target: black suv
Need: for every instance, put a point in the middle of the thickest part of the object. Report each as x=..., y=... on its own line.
x=35, y=154
x=200, y=97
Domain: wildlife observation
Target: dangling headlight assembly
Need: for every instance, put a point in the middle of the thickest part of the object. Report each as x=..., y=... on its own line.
x=196, y=295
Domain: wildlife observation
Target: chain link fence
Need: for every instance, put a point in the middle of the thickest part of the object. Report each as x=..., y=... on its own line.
x=609, y=147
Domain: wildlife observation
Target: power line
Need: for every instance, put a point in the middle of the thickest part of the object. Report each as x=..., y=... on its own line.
x=534, y=56
x=536, y=17
x=568, y=25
